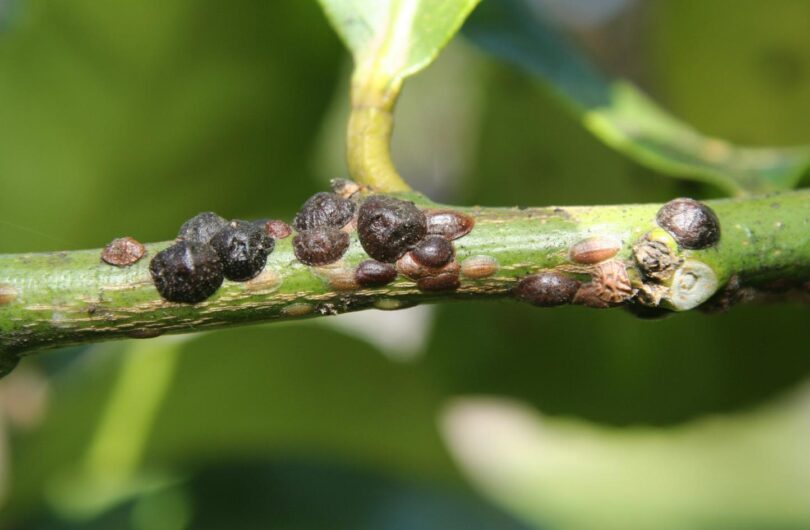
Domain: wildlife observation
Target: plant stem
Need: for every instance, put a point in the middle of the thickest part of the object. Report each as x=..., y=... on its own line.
x=56, y=299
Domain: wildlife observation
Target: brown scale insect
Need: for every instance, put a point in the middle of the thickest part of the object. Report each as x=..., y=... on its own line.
x=123, y=251
x=187, y=272
x=546, y=289
x=593, y=250
x=321, y=246
x=693, y=224
x=276, y=228
x=443, y=278
x=444, y=281
x=433, y=251
x=324, y=210
x=448, y=224
x=373, y=273
x=477, y=267
x=389, y=227
x=610, y=282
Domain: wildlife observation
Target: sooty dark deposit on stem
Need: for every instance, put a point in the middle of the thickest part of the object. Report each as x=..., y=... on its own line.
x=243, y=248
x=187, y=272
x=693, y=224
x=389, y=227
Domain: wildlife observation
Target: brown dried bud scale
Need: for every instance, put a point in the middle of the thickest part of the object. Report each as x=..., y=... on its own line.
x=373, y=273
x=187, y=272
x=123, y=251
x=655, y=259
x=324, y=210
x=389, y=227
x=693, y=224
x=546, y=289
x=321, y=246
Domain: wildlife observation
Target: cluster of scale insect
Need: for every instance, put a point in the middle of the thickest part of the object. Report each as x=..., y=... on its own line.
x=208, y=250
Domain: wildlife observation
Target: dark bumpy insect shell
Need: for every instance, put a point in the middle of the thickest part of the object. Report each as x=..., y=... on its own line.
x=593, y=250
x=321, y=246
x=187, y=272
x=444, y=281
x=122, y=252
x=610, y=282
x=389, y=227
x=275, y=228
x=242, y=248
x=693, y=224
x=324, y=210
x=448, y=224
x=433, y=251
x=546, y=289
x=373, y=273
x=202, y=227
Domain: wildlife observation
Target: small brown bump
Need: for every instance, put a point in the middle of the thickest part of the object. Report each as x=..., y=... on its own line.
x=611, y=283
x=338, y=277
x=693, y=224
x=144, y=333
x=7, y=293
x=477, y=267
x=655, y=259
x=409, y=267
x=372, y=273
x=444, y=281
x=277, y=229
x=593, y=250
x=546, y=289
x=321, y=246
x=448, y=224
x=123, y=251
x=433, y=251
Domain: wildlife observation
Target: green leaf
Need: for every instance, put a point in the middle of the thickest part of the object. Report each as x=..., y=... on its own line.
x=622, y=116
x=392, y=39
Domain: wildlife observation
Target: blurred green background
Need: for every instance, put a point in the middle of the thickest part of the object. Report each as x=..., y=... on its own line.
x=125, y=118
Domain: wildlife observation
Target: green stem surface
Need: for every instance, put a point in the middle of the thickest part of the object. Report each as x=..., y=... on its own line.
x=57, y=299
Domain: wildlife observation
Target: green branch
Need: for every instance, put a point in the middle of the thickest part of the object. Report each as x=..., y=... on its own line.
x=61, y=298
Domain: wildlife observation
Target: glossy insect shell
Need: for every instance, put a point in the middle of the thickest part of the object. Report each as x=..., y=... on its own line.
x=448, y=224
x=593, y=250
x=373, y=273
x=546, y=289
x=433, y=251
x=694, y=225
x=202, y=227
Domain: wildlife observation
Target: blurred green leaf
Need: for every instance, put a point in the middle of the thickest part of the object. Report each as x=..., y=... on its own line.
x=623, y=117
x=392, y=39
x=279, y=391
